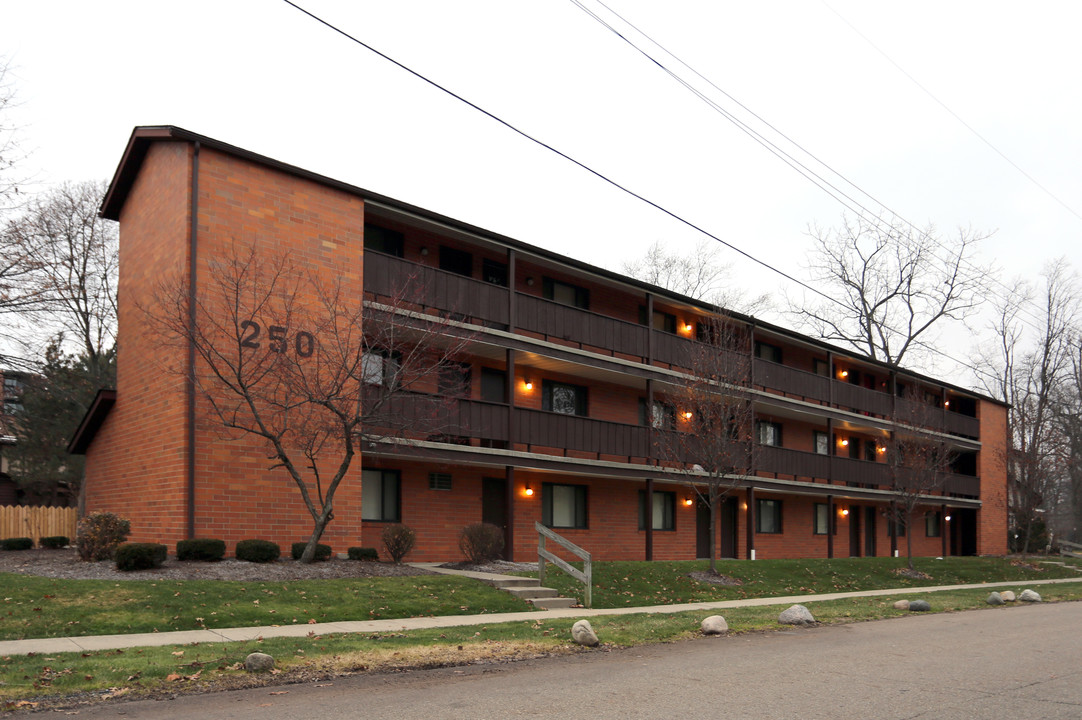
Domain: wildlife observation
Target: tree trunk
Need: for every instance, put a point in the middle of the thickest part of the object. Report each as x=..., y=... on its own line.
x=320, y=525
x=909, y=538
x=713, y=534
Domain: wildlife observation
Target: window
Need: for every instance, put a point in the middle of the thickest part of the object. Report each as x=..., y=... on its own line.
x=821, y=442
x=870, y=447
x=932, y=523
x=768, y=516
x=663, y=416
x=565, y=294
x=563, y=398
x=438, y=481
x=379, y=367
x=896, y=528
x=821, y=521
x=821, y=367
x=707, y=332
x=766, y=351
x=495, y=272
x=769, y=433
x=663, y=321
x=493, y=385
x=454, y=380
x=663, y=515
x=459, y=262
x=12, y=386
x=563, y=506
x=383, y=240
x=379, y=495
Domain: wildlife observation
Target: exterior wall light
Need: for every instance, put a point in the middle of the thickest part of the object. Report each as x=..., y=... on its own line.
x=946, y=403
x=845, y=511
x=948, y=518
x=529, y=490
x=688, y=501
x=529, y=384
x=880, y=449
x=687, y=327
x=687, y=415
x=424, y=251
x=844, y=442
x=843, y=374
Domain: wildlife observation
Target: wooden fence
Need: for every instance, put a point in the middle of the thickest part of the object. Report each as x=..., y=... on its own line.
x=37, y=522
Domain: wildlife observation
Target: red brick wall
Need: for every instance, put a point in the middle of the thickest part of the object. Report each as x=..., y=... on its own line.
x=991, y=466
x=136, y=464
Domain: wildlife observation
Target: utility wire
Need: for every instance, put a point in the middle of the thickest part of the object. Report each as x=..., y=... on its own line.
x=590, y=170
x=813, y=177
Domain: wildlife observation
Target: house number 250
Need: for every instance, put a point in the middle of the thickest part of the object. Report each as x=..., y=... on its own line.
x=304, y=343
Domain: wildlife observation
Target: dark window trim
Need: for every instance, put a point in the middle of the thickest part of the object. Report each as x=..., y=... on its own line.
x=582, y=405
x=439, y=481
x=582, y=514
x=933, y=517
x=391, y=242
x=776, y=512
x=762, y=349
x=815, y=520
x=759, y=424
x=669, y=510
x=582, y=295
x=393, y=476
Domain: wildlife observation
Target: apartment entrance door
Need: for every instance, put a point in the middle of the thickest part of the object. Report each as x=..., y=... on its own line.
x=726, y=528
x=494, y=502
x=854, y=531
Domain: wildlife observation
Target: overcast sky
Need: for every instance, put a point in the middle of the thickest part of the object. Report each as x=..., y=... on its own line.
x=263, y=76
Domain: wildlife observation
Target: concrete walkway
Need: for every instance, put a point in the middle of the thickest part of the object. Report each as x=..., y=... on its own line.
x=185, y=637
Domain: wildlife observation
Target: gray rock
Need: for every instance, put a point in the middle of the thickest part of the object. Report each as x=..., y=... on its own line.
x=258, y=663
x=1029, y=596
x=1008, y=596
x=583, y=634
x=714, y=625
x=796, y=615
x=995, y=599
x=919, y=606
x=901, y=605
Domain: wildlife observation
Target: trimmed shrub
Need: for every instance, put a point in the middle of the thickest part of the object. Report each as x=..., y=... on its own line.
x=323, y=552
x=99, y=533
x=481, y=542
x=399, y=540
x=140, y=556
x=201, y=549
x=16, y=543
x=363, y=553
x=258, y=551
x=54, y=542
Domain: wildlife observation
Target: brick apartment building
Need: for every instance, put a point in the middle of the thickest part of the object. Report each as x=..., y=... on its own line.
x=553, y=427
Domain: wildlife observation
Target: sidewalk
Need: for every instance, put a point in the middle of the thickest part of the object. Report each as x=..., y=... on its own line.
x=185, y=637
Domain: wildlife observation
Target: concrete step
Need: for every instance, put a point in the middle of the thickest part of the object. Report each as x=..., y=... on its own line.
x=531, y=593
x=505, y=583
x=556, y=603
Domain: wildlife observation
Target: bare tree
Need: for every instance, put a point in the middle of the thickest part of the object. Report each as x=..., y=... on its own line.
x=299, y=364
x=71, y=259
x=1029, y=373
x=700, y=275
x=919, y=460
x=710, y=432
x=1070, y=423
x=11, y=152
x=892, y=285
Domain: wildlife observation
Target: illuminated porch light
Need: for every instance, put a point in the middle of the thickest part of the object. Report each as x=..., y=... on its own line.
x=529, y=491
x=529, y=384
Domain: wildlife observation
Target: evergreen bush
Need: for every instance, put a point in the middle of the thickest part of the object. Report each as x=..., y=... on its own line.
x=258, y=551
x=140, y=556
x=201, y=549
x=323, y=552
x=363, y=553
x=20, y=543
x=54, y=542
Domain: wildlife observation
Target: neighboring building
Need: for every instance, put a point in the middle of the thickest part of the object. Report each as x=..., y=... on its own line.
x=553, y=427
x=10, y=407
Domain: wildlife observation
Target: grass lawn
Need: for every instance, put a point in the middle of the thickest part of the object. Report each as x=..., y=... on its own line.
x=37, y=607
x=630, y=584
x=37, y=681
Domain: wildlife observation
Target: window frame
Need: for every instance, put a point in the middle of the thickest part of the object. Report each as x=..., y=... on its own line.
x=933, y=524
x=489, y=376
x=823, y=435
x=775, y=514
x=582, y=406
x=458, y=262
x=581, y=509
x=760, y=425
x=494, y=272
x=668, y=510
x=763, y=349
x=815, y=519
x=663, y=416
x=388, y=371
x=391, y=242
x=581, y=294
x=387, y=478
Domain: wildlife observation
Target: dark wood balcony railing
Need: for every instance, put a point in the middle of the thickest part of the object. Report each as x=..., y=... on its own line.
x=860, y=472
x=783, y=461
x=549, y=429
x=420, y=415
x=962, y=485
x=790, y=380
x=556, y=320
x=431, y=287
x=489, y=303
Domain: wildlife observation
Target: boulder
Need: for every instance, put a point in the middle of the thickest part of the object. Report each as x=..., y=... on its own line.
x=995, y=599
x=258, y=663
x=919, y=606
x=714, y=625
x=1029, y=596
x=1008, y=596
x=796, y=615
x=583, y=634
x=901, y=605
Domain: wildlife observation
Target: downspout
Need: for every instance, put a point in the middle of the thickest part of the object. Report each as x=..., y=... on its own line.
x=189, y=386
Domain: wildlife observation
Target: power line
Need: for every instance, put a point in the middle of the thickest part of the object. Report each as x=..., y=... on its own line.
x=588, y=169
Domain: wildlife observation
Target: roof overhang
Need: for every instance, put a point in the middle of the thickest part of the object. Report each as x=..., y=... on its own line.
x=92, y=421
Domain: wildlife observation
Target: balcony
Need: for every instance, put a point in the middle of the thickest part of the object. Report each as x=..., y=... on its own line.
x=489, y=304
x=548, y=429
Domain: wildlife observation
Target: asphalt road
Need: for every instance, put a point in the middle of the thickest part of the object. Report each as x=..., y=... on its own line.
x=1013, y=662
